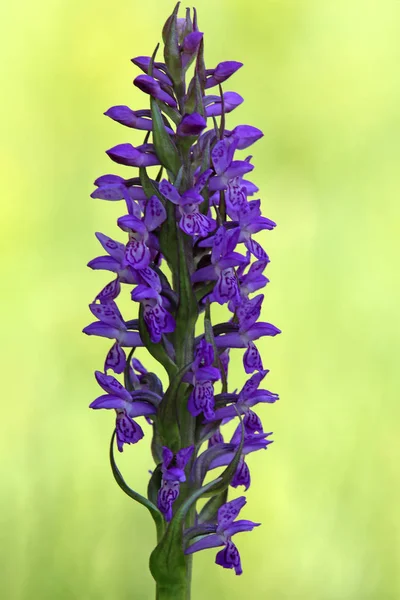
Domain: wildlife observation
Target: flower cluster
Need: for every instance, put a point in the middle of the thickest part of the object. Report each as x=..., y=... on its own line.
x=188, y=241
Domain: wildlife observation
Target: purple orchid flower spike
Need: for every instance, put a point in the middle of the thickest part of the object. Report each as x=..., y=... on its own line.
x=173, y=474
x=192, y=221
x=229, y=557
x=119, y=399
x=187, y=253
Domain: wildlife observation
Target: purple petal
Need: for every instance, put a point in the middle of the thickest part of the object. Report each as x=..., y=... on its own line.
x=140, y=408
x=105, y=263
x=115, y=359
x=158, y=321
x=108, y=401
x=126, y=154
x=114, y=249
x=167, y=456
x=228, y=512
x=167, y=495
x=108, y=314
x=222, y=155
x=260, y=329
x=102, y=330
x=252, y=359
x=209, y=541
x=192, y=124
x=240, y=526
x=124, y=115
x=112, y=386
x=137, y=254
x=213, y=106
x=229, y=558
x=143, y=62
x=242, y=475
x=150, y=86
x=154, y=213
x=249, y=311
x=246, y=135
x=183, y=456
x=256, y=249
x=128, y=431
x=201, y=400
x=150, y=278
x=169, y=191
x=251, y=385
x=226, y=287
x=109, y=292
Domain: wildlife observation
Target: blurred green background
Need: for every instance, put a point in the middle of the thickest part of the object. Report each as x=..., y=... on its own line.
x=321, y=79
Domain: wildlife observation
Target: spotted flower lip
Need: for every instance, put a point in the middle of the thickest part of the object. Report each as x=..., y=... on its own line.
x=187, y=251
x=229, y=557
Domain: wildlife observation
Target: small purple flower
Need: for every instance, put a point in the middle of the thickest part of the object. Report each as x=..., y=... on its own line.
x=138, y=249
x=157, y=319
x=192, y=221
x=202, y=377
x=248, y=397
x=126, y=154
x=151, y=86
x=143, y=62
x=252, y=443
x=229, y=557
x=222, y=72
x=190, y=46
x=225, y=167
x=248, y=330
x=173, y=474
x=213, y=104
x=114, y=187
x=115, y=262
x=223, y=259
x=111, y=325
x=119, y=399
x=245, y=135
x=192, y=124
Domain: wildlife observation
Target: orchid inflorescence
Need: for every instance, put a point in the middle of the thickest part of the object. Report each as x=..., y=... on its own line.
x=189, y=245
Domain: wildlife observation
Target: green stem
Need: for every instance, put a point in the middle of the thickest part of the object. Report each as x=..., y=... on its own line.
x=176, y=592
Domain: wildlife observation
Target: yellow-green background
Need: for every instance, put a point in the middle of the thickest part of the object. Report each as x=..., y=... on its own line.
x=321, y=79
